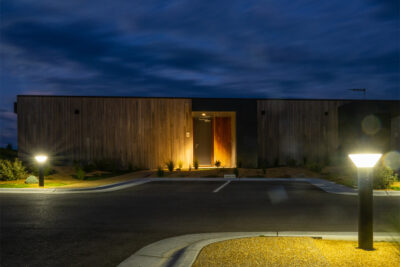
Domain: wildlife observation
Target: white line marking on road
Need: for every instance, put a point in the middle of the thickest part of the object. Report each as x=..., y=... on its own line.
x=222, y=186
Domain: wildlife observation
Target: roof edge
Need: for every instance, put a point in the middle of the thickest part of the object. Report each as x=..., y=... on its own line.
x=213, y=98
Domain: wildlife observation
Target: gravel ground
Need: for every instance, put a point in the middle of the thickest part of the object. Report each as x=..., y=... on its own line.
x=295, y=251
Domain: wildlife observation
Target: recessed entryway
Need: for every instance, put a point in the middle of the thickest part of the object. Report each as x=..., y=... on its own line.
x=214, y=138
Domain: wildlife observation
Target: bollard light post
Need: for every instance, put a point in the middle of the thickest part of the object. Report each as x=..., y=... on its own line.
x=365, y=164
x=41, y=159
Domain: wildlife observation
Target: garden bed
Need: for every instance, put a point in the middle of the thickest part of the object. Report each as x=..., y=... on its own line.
x=65, y=176
x=295, y=251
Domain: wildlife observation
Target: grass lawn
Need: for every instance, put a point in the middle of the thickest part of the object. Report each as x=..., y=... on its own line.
x=65, y=177
x=395, y=186
x=295, y=251
x=23, y=185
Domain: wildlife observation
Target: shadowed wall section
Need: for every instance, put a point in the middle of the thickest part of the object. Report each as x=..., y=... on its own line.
x=143, y=132
x=395, y=134
x=296, y=130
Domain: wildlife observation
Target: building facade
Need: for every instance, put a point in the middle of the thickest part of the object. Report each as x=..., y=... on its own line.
x=147, y=132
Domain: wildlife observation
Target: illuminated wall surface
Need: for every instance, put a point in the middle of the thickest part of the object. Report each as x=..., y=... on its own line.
x=147, y=132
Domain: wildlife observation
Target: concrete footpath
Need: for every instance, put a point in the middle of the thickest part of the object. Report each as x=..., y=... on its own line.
x=327, y=186
x=182, y=251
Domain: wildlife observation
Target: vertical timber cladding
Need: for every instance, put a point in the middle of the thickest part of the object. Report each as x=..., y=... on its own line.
x=299, y=130
x=395, y=133
x=143, y=132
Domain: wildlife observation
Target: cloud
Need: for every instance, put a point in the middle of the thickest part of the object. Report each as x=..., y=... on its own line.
x=200, y=48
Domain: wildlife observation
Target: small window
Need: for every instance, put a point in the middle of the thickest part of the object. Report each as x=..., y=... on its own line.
x=262, y=112
x=326, y=113
x=76, y=111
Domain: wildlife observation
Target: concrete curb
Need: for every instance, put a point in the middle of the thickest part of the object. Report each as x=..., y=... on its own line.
x=327, y=186
x=182, y=251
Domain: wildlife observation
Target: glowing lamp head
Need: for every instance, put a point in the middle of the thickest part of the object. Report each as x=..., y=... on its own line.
x=41, y=158
x=365, y=160
x=203, y=114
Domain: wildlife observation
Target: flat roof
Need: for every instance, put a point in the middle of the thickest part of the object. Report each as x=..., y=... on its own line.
x=215, y=98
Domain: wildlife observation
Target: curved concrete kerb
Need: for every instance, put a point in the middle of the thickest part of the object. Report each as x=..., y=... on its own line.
x=182, y=251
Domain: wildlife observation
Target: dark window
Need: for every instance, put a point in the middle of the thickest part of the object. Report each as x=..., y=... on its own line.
x=326, y=113
x=262, y=112
x=76, y=111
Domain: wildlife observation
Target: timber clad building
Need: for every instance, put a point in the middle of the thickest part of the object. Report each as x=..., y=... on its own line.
x=147, y=132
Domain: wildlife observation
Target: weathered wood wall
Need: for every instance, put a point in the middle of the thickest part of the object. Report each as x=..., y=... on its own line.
x=143, y=132
x=296, y=130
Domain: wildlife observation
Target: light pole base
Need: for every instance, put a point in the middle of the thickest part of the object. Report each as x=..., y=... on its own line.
x=365, y=215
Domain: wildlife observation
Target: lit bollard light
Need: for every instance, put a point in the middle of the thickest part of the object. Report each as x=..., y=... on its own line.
x=365, y=164
x=41, y=159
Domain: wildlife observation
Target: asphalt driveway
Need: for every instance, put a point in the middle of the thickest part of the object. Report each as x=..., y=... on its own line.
x=103, y=229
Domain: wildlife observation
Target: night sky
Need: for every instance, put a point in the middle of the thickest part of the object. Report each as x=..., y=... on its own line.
x=197, y=48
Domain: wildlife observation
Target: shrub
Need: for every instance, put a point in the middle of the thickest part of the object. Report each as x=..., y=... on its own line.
x=236, y=172
x=196, y=164
x=384, y=177
x=160, y=172
x=6, y=170
x=239, y=164
x=170, y=165
x=314, y=166
x=12, y=170
x=217, y=163
x=32, y=180
x=80, y=173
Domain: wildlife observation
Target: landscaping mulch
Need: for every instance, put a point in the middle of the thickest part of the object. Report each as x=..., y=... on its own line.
x=295, y=251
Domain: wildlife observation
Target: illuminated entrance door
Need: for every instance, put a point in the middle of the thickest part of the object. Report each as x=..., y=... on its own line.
x=203, y=140
x=222, y=140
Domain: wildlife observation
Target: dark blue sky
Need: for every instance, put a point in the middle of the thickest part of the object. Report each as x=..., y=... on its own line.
x=227, y=48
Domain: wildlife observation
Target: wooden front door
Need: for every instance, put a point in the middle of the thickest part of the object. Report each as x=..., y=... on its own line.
x=223, y=140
